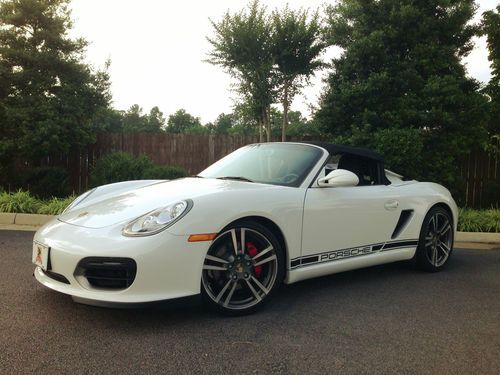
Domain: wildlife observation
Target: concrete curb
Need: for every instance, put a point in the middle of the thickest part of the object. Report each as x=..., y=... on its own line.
x=31, y=222
x=7, y=219
x=478, y=237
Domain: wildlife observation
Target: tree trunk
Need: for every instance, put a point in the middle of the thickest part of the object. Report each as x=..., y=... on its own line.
x=261, y=136
x=268, y=122
x=285, y=113
x=262, y=123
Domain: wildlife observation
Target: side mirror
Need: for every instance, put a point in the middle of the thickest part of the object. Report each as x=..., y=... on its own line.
x=339, y=177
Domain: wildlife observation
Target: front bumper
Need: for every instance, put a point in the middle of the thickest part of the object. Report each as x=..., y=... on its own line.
x=168, y=266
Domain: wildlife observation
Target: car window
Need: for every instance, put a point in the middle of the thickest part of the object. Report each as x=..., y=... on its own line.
x=365, y=168
x=270, y=163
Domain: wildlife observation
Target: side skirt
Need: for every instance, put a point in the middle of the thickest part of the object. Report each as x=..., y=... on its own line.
x=330, y=262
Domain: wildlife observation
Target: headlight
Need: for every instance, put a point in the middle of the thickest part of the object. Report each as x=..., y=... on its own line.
x=157, y=220
x=78, y=200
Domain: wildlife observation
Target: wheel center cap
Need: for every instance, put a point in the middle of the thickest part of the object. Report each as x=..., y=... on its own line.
x=435, y=240
x=239, y=267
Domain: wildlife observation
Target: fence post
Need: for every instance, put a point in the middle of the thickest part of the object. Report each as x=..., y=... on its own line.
x=211, y=149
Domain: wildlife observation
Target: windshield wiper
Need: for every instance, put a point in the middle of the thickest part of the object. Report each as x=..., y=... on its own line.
x=196, y=176
x=237, y=178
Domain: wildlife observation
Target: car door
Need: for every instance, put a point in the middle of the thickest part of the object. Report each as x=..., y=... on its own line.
x=346, y=222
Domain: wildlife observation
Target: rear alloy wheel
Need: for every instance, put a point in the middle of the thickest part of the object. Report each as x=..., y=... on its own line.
x=436, y=240
x=242, y=269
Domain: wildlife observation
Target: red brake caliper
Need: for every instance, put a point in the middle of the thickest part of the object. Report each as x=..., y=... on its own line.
x=252, y=251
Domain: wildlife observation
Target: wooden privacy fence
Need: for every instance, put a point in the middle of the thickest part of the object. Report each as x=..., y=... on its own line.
x=480, y=170
x=481, y=178
x=192, y=152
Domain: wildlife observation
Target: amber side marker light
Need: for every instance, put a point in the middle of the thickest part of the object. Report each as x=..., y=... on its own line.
x=202, y=237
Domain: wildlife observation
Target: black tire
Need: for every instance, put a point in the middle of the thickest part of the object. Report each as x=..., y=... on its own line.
x=435, y=244
x=239, y=283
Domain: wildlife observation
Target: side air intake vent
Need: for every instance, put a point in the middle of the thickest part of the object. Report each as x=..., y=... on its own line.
x=404, y=219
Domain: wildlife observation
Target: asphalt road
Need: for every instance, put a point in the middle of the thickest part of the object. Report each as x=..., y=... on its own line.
x=380, y=320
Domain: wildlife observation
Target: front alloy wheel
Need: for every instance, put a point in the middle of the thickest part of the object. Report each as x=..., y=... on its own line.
x=242, y=269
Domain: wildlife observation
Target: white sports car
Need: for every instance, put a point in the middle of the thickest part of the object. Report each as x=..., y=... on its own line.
x=263, y=215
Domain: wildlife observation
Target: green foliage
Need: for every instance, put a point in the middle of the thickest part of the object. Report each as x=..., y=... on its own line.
x=298, y=125
x=163, y=172
x=401, y=76
x=108, y=120
x=55, y=206
x=394, y=144
x=121, y=166
x=19, y=202
x=183, y=122
x=135, y=121
x=242, y=46
x=118, y=166
x=45, y=182
x=296, y=46
x=491, y=28
x=48, y=95
x=270, y=56
x=479, y=220
x=223, y=123
x=24, y=203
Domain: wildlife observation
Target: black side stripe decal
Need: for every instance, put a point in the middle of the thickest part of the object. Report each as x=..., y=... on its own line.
x=331, y=256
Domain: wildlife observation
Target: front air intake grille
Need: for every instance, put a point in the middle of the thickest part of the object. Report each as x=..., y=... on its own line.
x=107, y=273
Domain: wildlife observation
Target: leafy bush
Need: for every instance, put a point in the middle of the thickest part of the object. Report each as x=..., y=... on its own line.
x=55, y=206
x=45, y=182
x=19, y=202
x=162, y=172
x=479, y=220
x=119, y=166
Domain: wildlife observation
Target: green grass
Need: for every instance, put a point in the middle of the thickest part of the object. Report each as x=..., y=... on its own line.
x=20, y=202
x=23, y=202
x=470, y=220
x=55, y=206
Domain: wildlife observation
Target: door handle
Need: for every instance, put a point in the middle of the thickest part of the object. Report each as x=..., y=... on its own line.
x=391, y=205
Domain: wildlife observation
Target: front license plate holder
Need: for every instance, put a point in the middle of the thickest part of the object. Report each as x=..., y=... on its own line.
x=41, y=255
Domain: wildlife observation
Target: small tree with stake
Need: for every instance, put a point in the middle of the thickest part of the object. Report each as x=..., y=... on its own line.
x=242, y=46
x=296, y=47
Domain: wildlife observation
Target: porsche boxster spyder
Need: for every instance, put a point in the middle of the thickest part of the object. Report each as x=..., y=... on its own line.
x=264, y=215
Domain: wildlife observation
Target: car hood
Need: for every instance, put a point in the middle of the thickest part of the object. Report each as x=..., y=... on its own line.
x=128, y=205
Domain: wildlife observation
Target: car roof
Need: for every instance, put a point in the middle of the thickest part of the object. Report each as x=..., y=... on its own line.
x=334, y=149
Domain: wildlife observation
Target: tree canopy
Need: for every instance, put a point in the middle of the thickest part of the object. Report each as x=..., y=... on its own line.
x=134, y=120
x=242, y=46
x=491, y=28
x=48, y=95
x=296, y=47
x=183, y=122
x=399, y=85
x=270, y=56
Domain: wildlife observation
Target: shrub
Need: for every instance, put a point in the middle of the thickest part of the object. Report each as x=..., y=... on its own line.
x=162, y=172
x=55, y=206
x=20, y=202
x=479, y=220
x=119, y=166
x=45, y=182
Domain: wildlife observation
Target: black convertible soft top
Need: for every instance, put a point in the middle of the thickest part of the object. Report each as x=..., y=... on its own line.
x=340, y=149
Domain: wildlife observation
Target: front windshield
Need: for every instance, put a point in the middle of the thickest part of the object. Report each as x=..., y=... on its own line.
x=269, y=163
